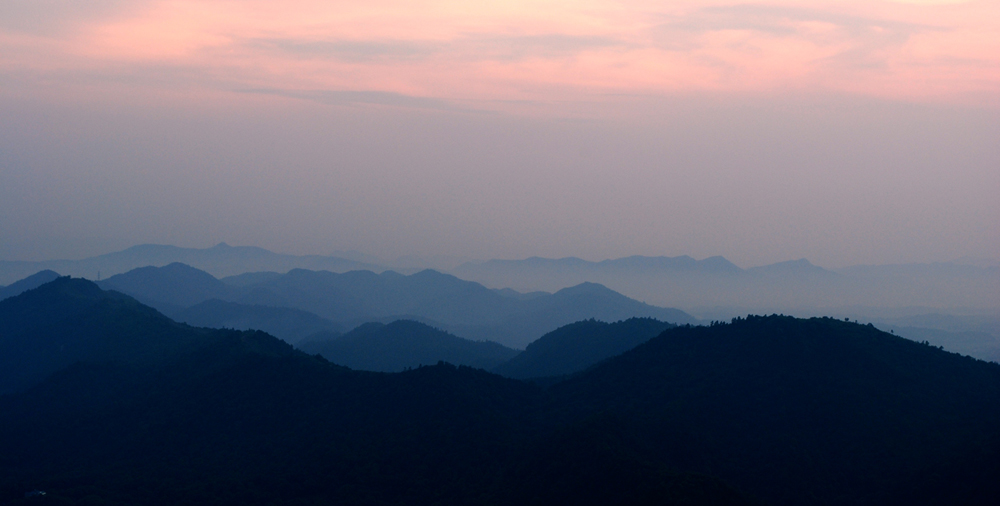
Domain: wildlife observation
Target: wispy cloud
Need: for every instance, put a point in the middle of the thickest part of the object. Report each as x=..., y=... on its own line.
x=549, y=50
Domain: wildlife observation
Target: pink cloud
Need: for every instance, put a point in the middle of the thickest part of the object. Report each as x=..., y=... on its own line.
x=514, y=51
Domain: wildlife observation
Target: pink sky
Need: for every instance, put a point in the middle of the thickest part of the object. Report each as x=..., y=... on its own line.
x=845, y=132
x=487, y=54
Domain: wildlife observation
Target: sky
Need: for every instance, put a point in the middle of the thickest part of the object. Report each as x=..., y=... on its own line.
x=845, y=132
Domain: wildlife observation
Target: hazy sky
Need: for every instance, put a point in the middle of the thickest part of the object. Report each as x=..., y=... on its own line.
x=845, y=132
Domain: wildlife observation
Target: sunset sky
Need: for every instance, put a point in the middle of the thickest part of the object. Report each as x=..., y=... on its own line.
x=843, y=131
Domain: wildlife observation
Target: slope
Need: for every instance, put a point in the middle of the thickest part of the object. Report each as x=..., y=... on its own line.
x=290, y=325
x=405, y=344
x=33, y=281
x=574, y=347
x=819, y=411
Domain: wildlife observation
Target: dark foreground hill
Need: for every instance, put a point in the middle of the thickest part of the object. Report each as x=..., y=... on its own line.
x=789, y=411
x=404, y=344
x=72, y=320
x=579, y=345
x=816, y=411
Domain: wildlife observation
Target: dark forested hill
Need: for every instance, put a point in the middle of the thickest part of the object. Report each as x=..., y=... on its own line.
x=71, y=320
x=404, y=344
x=576, y=346
x=789, y=409
x=291, y=325
x=33, y=281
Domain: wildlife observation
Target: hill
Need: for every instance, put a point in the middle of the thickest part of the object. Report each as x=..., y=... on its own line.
x=69, y=320
x=576, y=346
x=290, y=325
x=33, y=281
x=170, y=287
x=402, y=345
x=786, y=409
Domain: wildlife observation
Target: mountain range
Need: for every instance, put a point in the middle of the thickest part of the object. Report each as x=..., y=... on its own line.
x=703, y=286
x=116, y=404
x=463, y=308
x=220, y=260
x=707, y=288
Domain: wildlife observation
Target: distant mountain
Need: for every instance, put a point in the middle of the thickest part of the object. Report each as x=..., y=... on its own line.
x=981, y=345
x=32, y=281
x=576, y=346
x=540, y=315
x=220, y=260
x=696, y=285
x=404, y=344
x=464, y=308
x=250, y=278
x=290, y=325
x=786, y=409
x=170, y=287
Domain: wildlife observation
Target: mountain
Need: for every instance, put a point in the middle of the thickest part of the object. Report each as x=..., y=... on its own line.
x=33, y=281
x=786, y=409
x=170, y=287
x=220, y=260
x=540, y=315
x=290, y=325
x=71, y=320
x=579, y=345
x=464, y=308
x=699, y=285
x=404, y=344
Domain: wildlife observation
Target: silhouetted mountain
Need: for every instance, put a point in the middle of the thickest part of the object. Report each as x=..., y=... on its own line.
x=290, y=325
x=404, y=344
x=789, y=409
x=71, y=320
x=170, y=287
x=220, y=260
x=33, y=281
x=579, y=345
